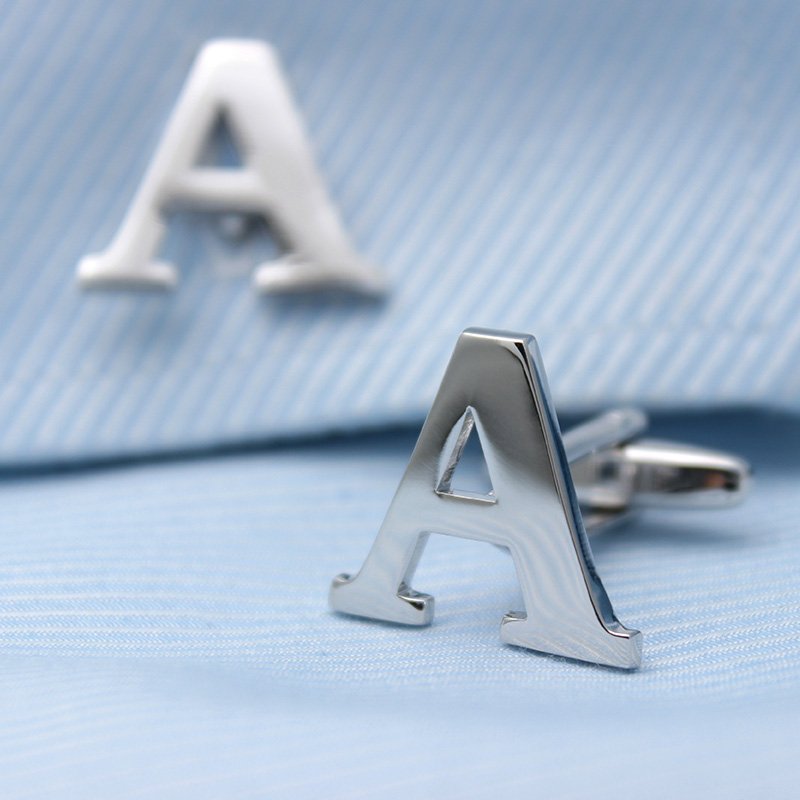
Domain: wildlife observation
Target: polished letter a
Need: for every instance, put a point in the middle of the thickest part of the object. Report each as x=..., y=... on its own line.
x=241, y=82
x=496, y=382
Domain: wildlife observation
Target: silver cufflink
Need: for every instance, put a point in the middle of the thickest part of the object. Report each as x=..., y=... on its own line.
x=546, y=492
x=241, y=81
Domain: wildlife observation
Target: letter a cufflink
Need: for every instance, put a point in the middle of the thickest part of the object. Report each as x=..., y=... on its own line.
x=496, y=386
x=242, y=81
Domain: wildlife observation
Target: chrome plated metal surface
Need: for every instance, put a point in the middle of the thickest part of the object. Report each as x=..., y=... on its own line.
x=495, y=387
x=240, y=80
x=615, y=471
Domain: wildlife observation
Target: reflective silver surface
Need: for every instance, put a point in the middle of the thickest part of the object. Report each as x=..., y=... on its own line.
x=495, y=385
x=240, y=80
x=615, y=472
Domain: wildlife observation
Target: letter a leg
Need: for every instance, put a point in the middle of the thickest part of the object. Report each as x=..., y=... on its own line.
x=380, y=590
x=567, y=614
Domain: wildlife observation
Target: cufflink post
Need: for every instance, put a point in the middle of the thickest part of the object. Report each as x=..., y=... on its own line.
x=616, y=471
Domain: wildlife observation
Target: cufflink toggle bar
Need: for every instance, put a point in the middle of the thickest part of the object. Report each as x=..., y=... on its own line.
x=615, y=471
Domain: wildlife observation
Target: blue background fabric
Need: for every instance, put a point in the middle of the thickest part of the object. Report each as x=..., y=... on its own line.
x=619, y=179
x=165, y=634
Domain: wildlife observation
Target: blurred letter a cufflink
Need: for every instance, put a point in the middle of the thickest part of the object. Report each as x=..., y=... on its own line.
x=495, y=385
x=241, y=81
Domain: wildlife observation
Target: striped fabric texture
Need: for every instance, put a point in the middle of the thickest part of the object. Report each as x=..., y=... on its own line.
x=619, y=179
x=165, y=635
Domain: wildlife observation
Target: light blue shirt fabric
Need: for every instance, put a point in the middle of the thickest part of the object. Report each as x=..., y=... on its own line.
x=165, y=634
x=619, y=179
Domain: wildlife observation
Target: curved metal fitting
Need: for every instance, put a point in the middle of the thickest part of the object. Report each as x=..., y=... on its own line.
x=615, y=471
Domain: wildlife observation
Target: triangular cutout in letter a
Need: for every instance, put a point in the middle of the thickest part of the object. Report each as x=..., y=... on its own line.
x=221, y=149
x=496, y=383
x=464, y=472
